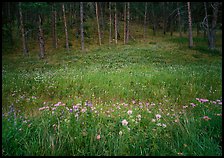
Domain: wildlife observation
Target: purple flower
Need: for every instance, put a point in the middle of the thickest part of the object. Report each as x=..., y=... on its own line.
x=124, y=122
x=158, y=116
x=192, y=104
x=203, y=100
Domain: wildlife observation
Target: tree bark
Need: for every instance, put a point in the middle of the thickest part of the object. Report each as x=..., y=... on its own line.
x=25, y=49
x=65, y=26
x=115, y=22
x=81, y=26
x=154, y=20
x=54, y=32
x=213, y=27
x=190, y=25
x=110, y=36
x=102, y=18
x=41, y=39
x=125, y=23
x=179, y=19
x=98, y=25
x=128, y=20
x=145, y=18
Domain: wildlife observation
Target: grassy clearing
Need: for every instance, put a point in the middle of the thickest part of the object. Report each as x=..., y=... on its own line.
x=161, y=76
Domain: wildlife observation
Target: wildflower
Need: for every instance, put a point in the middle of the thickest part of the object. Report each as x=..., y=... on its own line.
x=192, y=104
x=53, y=109
x=153, y=120
x=184, y=107
x=42, y=108
x=129, y=112
x=159, y=124
x=124, y=122
x=218, y=114
x=70, y=110
x=176, y=120
x=185, y=145
x=120, y=133
x=98, y=137
x=83, y=110
x=164, y=125
x=206, y=118
x=139, y=116
x=220, y=103
x=179, y=153
x=133, y=101
x=204, y=100
x=158, y=116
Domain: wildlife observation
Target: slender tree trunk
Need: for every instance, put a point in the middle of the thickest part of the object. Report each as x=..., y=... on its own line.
x=54, y=33
x=198, y=29
x=125, y=23
x=207, y=24
x=164, y=18
x=128, y=20
x=115, y=22
x=102, y=18
x=145, y=18
x=154, y=20
x=25, y=49
x=41, y=39
x=179, y=19
x=110, y=36
x=190, y=25
x=81, y=26
x=98, y=25
x=65, y=25
x=213, y=27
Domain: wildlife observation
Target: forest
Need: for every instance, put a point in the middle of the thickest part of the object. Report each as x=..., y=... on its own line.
x=111, y=78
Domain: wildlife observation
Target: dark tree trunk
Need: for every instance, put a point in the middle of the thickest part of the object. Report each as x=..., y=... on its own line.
x=25, y=49
x=164, y=18
x=179, y=19
x=213, y=27
x=81, y=26
x=98, y=25
x=128, y=20
x=145, y=18
x=154, y=20
x=190, y=25
x=41, y=39
x=54, y=32
x=102, y=18
x=110, y=35
x=125, y=22
x=65, y=26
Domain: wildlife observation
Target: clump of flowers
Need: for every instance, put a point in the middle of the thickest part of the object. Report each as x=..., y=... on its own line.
x=124, y=122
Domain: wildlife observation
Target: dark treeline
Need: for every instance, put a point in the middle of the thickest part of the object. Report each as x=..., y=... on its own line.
x=23, y=22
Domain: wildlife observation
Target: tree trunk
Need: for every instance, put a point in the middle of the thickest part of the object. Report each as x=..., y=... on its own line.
x=110, y=36
x=81, y=26
x=190, y=25
x=98, y=25
x=115, y=22
x=145, y=18
x=164, y=18
x=102, y=18
x=213, y=27
x=179, y=19
x=41, y=39
x=65, y=26
x=154, y=20
x=54, y=33
x=125, y=23
x=206, y=24
x=128, y=17
x=25, y=49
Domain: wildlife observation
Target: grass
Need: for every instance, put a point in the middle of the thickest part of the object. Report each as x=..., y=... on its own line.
x=161, y=76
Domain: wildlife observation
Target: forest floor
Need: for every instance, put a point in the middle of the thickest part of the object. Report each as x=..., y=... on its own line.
x=145, y=98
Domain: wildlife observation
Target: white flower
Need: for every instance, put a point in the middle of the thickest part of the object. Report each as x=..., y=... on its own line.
x=124, y=122
x=153, y=120
x=120, y=133
x=164, y=125
x=158, y=124
x=158, y=116
x=129, y=112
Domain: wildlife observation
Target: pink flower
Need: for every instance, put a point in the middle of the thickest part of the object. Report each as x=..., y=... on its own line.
x=129, y=112
x=192, y=104
x=98, y=137
x=124, y=122
x=158, y=116
x=206, y=118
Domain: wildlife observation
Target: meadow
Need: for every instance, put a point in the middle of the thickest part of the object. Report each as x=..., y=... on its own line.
x=153, y=98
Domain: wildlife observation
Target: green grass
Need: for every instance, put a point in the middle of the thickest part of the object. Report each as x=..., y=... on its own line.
x=161, y=71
